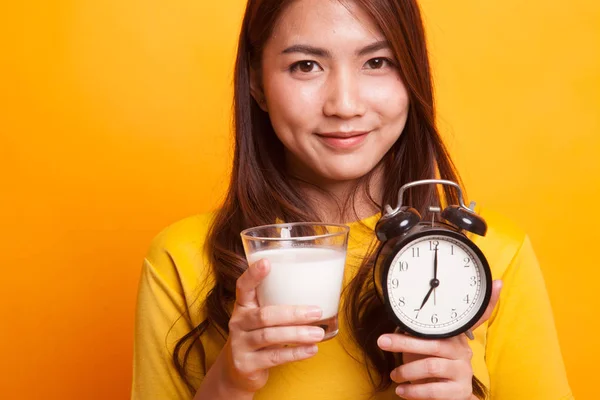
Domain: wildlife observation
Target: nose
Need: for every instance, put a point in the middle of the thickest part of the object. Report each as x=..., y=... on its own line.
x=344, y=99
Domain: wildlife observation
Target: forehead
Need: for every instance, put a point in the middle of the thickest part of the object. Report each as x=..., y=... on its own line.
x=326, y=23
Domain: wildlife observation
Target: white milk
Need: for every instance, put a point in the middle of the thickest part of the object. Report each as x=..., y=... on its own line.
x=302, y=276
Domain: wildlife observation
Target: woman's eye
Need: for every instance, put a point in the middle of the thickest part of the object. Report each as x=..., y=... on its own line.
x=305, y=66
x=378, y=63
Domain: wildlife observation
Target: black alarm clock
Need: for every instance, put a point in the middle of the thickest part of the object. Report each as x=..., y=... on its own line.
x=434, y=281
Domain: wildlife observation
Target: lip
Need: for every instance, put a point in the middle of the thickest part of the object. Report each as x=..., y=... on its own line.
x=343, y=140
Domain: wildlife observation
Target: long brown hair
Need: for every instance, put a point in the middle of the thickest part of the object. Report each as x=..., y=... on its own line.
x=261, y=190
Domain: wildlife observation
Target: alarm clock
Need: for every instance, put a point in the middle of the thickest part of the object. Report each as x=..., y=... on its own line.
x=433, y=280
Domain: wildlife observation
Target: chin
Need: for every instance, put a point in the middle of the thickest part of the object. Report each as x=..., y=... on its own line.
x=344, y=174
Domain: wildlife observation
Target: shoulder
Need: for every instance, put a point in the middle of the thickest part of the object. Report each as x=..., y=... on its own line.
x=183, y=234
x=177, y=255
x=502, y=242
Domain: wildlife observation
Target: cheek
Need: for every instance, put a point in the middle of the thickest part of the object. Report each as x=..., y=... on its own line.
x=292, y=105
x=390, y=101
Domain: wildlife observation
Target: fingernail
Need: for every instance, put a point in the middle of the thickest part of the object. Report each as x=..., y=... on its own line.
x=314, y=313
x=316, y=333
x=400, y=390
x=384, y=342
x=262, y=265
x=312, y=349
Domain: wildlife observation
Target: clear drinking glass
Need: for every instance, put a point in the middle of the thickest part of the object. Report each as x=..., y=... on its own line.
x=307, y=266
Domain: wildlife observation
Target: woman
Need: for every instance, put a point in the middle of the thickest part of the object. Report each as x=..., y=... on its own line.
x=334, y=111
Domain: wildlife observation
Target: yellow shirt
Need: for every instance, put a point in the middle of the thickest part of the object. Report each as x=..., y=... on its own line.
x=516, y=353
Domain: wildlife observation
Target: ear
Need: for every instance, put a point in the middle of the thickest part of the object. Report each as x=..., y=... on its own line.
x=256, y=90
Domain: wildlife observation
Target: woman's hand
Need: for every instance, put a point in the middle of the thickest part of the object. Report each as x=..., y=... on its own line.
x=257, y=335
x=435, y=369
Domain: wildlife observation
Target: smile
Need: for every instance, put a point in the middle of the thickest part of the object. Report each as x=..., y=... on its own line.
x=343, y=141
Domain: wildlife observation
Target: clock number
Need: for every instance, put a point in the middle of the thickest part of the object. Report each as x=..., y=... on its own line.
x=466, y=299
x=415, y=252
x=454, y=313
x=433, y=244
x=434, y=319
x=452, y=250
x=403, y=266
x=395, y=283
x=467, y=261
x=417, y=311
x=401, y=301
x=473, y=281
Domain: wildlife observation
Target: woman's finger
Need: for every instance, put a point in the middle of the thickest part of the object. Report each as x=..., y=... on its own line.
x=261, y=338
x=433, y=390
x=496, y=288
x=454, y=348
x=432, y=367
x=245, y=293
x=279, y=316
x=265, y=359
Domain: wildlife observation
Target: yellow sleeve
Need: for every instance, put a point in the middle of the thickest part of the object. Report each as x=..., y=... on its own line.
x=166, y=289
x=154, y=374
x=522, y=351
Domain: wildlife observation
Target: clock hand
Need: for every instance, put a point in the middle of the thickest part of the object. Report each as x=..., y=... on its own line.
x=435, y=268
x=427, y=297
x=435, y=264
x=433, y=284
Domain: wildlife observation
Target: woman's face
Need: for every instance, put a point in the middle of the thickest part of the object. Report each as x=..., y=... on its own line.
x=332, y=90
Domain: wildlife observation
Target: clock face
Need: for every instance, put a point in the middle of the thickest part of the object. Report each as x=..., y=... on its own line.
x=443, y=302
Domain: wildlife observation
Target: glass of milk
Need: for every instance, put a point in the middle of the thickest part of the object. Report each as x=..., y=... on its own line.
x=307, y=266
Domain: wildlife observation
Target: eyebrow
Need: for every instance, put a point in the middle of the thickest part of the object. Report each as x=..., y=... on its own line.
x=320, y=52
x=373, y=47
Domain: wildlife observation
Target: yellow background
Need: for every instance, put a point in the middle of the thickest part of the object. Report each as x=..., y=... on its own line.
x=114, y=122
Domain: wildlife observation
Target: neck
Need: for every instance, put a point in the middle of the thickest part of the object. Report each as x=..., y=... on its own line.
x=344, y=201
